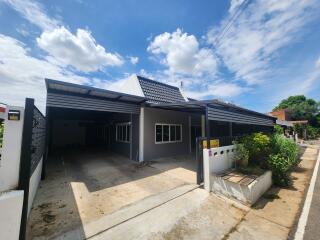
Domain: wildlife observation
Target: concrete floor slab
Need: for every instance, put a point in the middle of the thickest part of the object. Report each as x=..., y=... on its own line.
x=124, y=214
x=84, y=186
x=195, y=215
x=253, y=227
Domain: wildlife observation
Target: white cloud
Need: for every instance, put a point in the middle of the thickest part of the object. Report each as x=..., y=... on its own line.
x=134, y=60
x=23, y=75
x=219, y=90
x=146, y=74
x=182, y=54
x=318, y=63
x=34, y=13
x=234, y=4
x=226, y=90
x=80, y=51
x=254, y=40
x=23, y=32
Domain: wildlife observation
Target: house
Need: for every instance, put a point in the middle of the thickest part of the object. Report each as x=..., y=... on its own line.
x=145, y=120
x=282, y=114
x=284, y=119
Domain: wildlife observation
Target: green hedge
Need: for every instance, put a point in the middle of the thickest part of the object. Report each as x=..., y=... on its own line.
x=272, y=152
x=284, y=156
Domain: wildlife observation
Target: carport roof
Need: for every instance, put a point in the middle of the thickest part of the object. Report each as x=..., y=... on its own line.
x=87, y=91
x=220, y=111
x=200, y=106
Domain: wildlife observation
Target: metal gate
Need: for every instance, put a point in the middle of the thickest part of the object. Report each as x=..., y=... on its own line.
x=32, y=151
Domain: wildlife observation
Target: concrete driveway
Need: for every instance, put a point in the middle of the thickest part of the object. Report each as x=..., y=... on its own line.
x=83, y=186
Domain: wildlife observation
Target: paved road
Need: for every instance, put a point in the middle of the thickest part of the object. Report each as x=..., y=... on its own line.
x=312, y=230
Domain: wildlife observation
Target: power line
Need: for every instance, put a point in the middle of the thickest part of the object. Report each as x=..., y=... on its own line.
x=226, y=28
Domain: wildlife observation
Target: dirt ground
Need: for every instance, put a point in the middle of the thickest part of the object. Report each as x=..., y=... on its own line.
x=83, y=186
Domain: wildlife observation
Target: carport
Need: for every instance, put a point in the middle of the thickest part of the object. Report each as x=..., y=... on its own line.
x=81, y=117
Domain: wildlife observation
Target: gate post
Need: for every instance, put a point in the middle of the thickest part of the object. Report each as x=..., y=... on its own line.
x=25, y=163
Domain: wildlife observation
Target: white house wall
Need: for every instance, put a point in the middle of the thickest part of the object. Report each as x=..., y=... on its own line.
x=132, y=86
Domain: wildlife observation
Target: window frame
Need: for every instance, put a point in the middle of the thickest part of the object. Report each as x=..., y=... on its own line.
x=169, y=126
x=124, y=132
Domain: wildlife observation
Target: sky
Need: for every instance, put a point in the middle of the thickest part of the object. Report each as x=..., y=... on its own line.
x=253, y=53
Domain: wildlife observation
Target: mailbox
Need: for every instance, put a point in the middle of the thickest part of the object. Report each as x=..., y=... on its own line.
x=14, y=115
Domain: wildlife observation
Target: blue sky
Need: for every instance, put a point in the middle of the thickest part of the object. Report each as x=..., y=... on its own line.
x=269, y=52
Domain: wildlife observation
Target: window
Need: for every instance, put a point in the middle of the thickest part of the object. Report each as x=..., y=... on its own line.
x=168, y=133
x=123, y=131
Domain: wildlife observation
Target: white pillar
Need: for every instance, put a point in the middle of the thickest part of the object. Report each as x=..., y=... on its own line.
x=141, y=135
x=11, y=149
x=206, y=169
x=190, y=134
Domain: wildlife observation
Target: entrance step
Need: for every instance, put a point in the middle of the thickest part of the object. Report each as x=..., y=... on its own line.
x=127, y=213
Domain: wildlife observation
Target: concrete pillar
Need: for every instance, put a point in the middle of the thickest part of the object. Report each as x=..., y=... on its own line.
x=190, y=150
x=141, y=135
x=11, y=150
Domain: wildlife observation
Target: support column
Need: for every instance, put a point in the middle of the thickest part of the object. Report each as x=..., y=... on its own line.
x=131, y=127
x=207, y=128
x=141, y=135
x=230, y=129
x=190, y=150
x=203, y=125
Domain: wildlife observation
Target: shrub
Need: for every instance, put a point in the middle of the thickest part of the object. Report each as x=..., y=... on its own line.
x=312, y=132
x=241, y=155
x=277, y=129
x=279, y=166
x=258, y=145
x=284, y=156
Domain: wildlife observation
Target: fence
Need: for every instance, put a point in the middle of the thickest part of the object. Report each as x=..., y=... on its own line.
x=223, y=141
x=32, y=151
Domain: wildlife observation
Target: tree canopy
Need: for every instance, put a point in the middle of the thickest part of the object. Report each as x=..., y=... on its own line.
x=301, y=108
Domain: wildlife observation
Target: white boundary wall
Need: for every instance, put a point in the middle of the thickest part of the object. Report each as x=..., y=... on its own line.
x=11, y=149
x=219, y=160
x=34, y=184
x=216, y=161
x=10, y=214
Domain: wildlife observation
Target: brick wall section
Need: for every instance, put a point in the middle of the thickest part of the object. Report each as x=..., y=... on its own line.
x=282, y=114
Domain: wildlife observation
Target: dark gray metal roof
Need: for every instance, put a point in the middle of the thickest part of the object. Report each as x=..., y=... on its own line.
x=54, y=86
x=220, y=111
x=157, y=92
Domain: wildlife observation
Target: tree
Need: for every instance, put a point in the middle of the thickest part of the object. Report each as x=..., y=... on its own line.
x=301, y=108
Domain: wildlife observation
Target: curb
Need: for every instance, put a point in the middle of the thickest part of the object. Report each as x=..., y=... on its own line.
x=307, y=204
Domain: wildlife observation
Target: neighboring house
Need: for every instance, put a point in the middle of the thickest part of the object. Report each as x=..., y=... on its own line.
x=146, y=119
x=282, y=114
x=284, y=119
